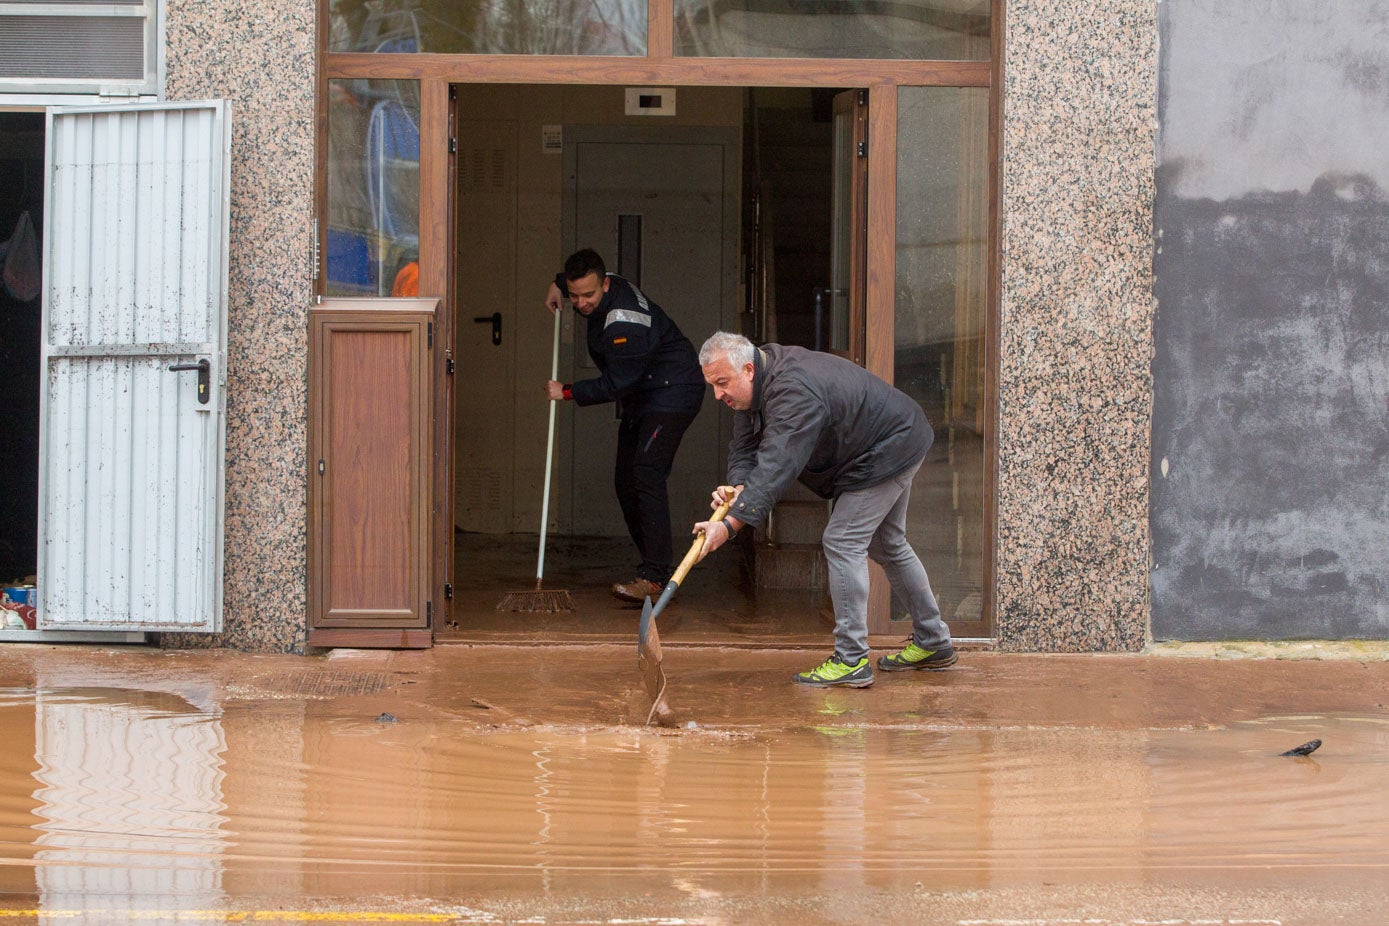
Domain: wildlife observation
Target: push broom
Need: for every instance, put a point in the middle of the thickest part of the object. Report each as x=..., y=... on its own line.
x=541, y=600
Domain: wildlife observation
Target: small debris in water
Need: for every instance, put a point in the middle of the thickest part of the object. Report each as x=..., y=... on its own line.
x=691, y=725
x=385, y=717
x=1306, y=749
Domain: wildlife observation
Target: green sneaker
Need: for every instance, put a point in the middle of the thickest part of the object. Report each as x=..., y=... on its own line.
x=914, y=657
x=833, y=672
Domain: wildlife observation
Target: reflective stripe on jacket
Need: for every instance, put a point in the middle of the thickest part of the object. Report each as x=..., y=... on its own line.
x=643, y=359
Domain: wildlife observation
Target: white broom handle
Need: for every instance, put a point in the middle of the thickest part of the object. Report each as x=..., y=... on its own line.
x=549, y=457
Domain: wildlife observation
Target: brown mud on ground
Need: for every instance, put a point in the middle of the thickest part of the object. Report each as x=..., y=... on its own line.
x=514, y=784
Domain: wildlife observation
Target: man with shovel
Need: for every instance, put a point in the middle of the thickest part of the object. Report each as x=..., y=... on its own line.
x=650, y=369
x=849, y=436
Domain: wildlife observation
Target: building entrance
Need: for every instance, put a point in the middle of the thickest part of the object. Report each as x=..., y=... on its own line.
x=668, y=205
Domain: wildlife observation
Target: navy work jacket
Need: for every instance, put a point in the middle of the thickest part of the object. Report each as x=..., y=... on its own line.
x=644, y=362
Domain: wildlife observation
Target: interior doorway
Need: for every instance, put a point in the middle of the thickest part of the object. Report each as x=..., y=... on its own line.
x=742, y=211
x=114, y=369
x=542, y=171
x=21, y=231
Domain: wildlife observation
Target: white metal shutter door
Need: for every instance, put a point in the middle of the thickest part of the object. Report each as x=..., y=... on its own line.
x=130, y=471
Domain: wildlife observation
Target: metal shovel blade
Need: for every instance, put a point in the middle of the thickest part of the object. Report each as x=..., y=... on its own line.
x=649, y=662
x=649, y=641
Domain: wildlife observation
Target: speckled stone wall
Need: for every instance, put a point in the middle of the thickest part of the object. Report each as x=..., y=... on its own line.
x=1075, y=398
x=260, y=55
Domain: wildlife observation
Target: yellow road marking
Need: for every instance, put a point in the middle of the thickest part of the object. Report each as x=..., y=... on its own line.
x=245, y=916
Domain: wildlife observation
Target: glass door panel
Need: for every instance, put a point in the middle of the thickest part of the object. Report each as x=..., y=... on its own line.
x=939, y=358
x=905, y=29
x=372, y=240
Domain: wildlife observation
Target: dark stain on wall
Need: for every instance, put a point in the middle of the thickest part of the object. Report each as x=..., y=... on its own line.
x=1270, y=464
x=1270, y=503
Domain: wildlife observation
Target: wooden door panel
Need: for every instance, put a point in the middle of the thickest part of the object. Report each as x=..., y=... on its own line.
x=367, y=447
x=370, y=450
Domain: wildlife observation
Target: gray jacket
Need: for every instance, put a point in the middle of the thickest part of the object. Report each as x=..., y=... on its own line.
x=824, y=420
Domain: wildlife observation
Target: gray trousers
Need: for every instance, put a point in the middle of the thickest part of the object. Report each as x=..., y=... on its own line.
x=867, y=523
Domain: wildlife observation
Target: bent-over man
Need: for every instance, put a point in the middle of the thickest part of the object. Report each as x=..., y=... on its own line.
x=650, y=369
x=849, y=436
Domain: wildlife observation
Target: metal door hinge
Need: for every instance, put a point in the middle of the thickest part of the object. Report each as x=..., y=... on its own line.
x=863, y=149
x=429, y=612
x=448, y=361
x=862, y=97
x=322, y=467
x=430, y=336
x=453, y=146
x=448, y=589
x=316, y=257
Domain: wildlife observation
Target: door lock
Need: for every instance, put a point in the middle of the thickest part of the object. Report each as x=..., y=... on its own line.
x=495, y=319
x=204, y=368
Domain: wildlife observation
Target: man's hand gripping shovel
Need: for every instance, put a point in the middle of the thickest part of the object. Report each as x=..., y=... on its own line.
x=649, y=641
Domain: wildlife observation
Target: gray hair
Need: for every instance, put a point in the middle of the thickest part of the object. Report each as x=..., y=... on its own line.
x=735, y=348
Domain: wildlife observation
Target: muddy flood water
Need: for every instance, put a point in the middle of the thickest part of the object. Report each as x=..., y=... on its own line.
x=516, y=784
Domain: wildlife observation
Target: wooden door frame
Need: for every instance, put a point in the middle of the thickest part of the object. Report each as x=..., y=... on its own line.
x=856, y=104
x=660, y=66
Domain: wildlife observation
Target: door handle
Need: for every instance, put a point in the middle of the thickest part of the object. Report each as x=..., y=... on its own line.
x=204, y=368
x=496, y=321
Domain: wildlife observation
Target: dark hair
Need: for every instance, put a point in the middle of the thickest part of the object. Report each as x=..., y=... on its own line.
x=581, y=263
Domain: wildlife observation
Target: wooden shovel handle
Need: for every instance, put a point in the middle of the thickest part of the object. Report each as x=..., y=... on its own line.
x=693, y=556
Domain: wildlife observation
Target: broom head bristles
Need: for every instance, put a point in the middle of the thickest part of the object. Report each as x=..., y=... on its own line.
x=537, y=602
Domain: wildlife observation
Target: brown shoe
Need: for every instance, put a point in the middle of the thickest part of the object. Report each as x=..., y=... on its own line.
x=637, y=590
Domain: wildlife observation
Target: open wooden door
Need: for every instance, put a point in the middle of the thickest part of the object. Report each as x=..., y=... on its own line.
x=847, y=319
x=370, y=453
x=847, y=294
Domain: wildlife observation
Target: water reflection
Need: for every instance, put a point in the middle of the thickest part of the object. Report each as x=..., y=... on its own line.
x=143, y=800
x=129, y=800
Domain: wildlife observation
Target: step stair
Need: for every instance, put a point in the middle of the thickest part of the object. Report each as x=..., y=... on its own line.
x=786, y=550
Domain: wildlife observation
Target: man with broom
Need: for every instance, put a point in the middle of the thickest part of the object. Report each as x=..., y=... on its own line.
x=849, y=436
x=650, y=369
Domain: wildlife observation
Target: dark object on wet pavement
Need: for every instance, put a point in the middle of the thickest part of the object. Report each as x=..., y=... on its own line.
x=649, y=640
x=386, y=718
x=542, y=600
x=1306, y=749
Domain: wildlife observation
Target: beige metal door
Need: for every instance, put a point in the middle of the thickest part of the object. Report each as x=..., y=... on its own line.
x=485, y=326
x=661, y=207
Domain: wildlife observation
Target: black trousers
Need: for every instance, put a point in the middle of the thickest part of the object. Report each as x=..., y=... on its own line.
x=646, y=445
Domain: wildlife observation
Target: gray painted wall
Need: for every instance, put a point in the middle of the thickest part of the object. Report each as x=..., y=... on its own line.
x=1270, y=502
